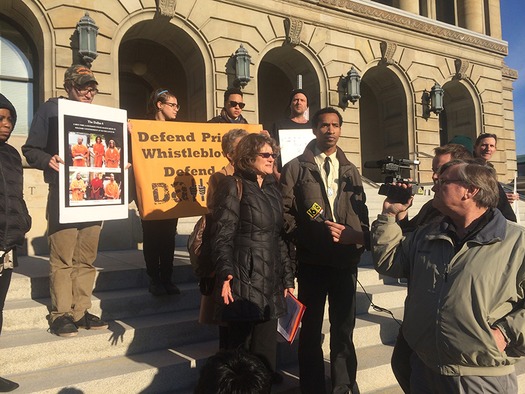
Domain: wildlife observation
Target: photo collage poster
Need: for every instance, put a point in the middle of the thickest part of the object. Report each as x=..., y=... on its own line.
x=93, y=179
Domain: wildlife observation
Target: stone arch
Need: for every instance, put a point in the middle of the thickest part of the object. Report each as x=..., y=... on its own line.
x=386, y=113
x=460, y=114
x=277, y=72
x=157, y=51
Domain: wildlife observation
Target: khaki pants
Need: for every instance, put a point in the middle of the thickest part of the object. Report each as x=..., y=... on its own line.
x=72, y=251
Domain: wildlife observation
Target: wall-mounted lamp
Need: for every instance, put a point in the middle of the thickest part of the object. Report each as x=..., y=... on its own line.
x=433, y=101
x=242, y=67
x=87, y=39
x=350, y=88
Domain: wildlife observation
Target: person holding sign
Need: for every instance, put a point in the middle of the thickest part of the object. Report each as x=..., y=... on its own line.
x=232, y=110
x=253, y=270
x=72, y=247
x=159, y=235
x=298, y=104
x=319, y=186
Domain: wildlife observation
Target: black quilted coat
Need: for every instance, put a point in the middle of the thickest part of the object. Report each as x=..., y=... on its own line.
x=14, y=218
x=247, y=244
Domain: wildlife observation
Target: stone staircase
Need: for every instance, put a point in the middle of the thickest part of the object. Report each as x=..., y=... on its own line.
x=156, y=345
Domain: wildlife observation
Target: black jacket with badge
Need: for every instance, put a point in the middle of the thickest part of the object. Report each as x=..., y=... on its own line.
x=247, y=244
x=302, y=186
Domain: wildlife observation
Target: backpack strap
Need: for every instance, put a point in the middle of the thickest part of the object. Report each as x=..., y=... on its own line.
x=238, y=181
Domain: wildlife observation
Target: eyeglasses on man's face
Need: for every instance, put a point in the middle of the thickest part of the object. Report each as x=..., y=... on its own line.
x=234, y=104
x=173, y=105
x=267, y=155
x=441, y=181
x=84, y=91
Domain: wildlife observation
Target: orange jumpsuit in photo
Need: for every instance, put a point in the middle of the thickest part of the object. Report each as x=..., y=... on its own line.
x=98, y=150
x=112, y=157
x=80, y=154
x=77, y=187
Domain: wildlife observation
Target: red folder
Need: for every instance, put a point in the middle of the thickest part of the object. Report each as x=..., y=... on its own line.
x=288, y=324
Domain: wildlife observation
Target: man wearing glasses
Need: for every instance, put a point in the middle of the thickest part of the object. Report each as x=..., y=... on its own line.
x=464, y=314
x=232, y=110
x=72, y=247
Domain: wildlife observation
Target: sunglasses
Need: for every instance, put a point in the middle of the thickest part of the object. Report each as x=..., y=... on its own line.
x=233, y=104
x=267, y=155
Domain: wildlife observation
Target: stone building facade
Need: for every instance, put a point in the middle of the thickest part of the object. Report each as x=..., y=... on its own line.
x=400, y=48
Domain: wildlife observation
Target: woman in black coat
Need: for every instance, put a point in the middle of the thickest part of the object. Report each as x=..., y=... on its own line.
x=14, y=217
x=254, y=272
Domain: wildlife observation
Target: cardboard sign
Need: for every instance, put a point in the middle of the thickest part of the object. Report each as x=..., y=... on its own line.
x=172, y=162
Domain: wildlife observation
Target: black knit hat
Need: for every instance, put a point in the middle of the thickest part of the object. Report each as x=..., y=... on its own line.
x=294, y=92
x=5, y=103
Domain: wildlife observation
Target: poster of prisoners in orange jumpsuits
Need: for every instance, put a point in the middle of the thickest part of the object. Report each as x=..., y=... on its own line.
x=172, y=162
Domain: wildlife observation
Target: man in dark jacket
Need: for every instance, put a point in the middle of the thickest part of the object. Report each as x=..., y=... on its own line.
x=323, y=184
x=72, y=247
x=14, y=218
x=232, y=110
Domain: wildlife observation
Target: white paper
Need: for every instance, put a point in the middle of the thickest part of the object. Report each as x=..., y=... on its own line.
x=87, y=121
x=293, y=142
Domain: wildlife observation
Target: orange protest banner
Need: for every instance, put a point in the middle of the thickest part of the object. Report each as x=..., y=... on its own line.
x=172, y=162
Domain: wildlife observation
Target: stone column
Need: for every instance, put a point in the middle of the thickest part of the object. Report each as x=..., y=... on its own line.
x=410, y=6
x=473, y=11
x=494, y=16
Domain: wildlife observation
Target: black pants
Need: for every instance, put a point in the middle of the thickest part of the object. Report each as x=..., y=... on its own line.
x=257, y=337
x=5, y=280
x=158, y=248
x=401, y=362
x=315, y=284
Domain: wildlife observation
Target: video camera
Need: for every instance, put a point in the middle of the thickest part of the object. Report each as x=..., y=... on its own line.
x=393, y=169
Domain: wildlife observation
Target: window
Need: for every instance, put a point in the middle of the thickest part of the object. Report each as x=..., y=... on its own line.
x=16, y=74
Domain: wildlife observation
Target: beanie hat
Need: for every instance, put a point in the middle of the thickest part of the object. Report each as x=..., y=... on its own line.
x=79, y=75
x=5, y=103
x=294, y=92
x=463, y=140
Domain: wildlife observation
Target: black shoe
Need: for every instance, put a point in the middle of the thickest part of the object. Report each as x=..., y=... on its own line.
x=171, y=288
x=157, y=289
x=7, y=385
x=277, y=378
x=91, y=322
x=63, y=326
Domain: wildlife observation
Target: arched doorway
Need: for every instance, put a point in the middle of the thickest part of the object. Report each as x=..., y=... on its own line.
x=459, y=115
x=384, y=121
x=156, y=54
x=277, y=77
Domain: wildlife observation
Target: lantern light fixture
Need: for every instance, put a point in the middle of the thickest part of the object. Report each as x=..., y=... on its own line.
x=242, y=66
x=87, y=39
x=351, y=86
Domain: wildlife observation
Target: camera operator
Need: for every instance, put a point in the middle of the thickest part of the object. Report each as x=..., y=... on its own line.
x=464, y=311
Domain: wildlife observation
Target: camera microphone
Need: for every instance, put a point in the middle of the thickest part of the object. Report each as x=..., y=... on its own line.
x=316, y=212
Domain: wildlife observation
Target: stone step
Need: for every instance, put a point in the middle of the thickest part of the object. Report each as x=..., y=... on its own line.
x=29, y=314
x=115, y=270
x=26, y=351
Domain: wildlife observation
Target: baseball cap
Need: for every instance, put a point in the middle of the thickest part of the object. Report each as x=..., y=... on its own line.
x=79, y=75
